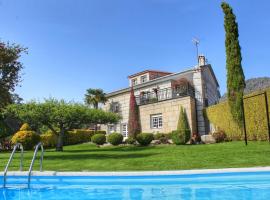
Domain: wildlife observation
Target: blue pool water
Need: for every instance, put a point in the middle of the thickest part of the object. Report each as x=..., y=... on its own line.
x=231, y=186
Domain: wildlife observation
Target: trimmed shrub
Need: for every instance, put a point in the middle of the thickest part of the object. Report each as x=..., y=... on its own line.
x=100, y=132
x=99, y=139
x=78, y=136
x=130, y=140
x=220, y=136
x=26, y=137
x=144, y=139
x=182, y=134
x=115, y=138
x=48, y=139
x=255, y=117
x=177, y=137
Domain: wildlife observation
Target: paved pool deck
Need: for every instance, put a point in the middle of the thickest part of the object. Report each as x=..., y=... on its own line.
x=139, y=173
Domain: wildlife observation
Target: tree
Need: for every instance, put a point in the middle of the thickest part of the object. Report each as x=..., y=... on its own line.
x=134, y=125
x=95, y=96
x=10, y=68
x=182, y=134
x=235, y=74
x=59, y=116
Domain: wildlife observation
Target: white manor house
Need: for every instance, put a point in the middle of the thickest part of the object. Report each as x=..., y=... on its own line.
x=160, y=95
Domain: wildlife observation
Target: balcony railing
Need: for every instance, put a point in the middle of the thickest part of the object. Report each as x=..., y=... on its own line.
x=164, y=94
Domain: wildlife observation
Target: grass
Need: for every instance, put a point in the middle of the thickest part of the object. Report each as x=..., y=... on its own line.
x=87, y=157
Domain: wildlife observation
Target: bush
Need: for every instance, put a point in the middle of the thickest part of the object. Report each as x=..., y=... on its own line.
x=115, y=138
x=220, y=136
x=78, y=136
x=144, y=139
x=180, y=137
x=26, y=137
x=48, y=139
x=161, y=137
x=130, y=140
x=99, y=139
x=100, y=132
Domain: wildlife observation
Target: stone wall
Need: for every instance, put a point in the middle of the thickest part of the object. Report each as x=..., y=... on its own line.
x=170, y=110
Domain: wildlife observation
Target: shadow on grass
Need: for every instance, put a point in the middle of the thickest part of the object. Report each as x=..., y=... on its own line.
x=109, y=149
x=96, y=156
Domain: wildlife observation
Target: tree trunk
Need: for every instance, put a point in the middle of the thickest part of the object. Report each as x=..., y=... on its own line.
x=60, y=140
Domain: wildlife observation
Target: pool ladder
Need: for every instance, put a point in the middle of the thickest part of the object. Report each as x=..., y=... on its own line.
x=39, y=145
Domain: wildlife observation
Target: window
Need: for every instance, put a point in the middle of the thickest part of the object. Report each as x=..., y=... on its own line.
x=134, y=81
x=111, y=129
x=143, y=79
x=156, y=121
x=125, y=130
x=115, y=107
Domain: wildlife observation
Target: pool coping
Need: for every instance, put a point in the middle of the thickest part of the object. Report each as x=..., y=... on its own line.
x=139, y=173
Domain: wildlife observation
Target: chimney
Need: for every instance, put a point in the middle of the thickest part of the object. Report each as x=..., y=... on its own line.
x=201, y=60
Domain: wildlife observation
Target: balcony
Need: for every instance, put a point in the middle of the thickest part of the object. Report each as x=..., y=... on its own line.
x=164, y=94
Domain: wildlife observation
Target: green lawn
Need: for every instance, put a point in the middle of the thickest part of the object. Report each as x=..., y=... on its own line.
x=87, y=157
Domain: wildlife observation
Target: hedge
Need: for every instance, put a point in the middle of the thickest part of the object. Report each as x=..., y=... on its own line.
x=75, y=136
x=255, y=117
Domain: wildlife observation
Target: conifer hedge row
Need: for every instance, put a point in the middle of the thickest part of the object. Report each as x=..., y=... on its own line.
x=255, y=117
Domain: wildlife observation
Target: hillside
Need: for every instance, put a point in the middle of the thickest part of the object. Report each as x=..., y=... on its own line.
x=253, y=85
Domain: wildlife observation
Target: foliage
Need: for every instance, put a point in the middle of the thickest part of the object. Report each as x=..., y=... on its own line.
x=130, y=140
x=235, y=74
x=78, y=136
x=220, y=136
x=115, y=139
x=48, y=139
x=26, y=137
x=162, y=137
x=99, y=139
x=177, y=137
x=255, y=117
x=134, y=126
x=182, y=134
x=10, y=68
x=100, y=132
x=144, y=139
x=4, y=129
x=94, y=97
x=59, y=115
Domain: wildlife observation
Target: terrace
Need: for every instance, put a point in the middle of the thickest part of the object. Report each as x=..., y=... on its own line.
x=158, y=95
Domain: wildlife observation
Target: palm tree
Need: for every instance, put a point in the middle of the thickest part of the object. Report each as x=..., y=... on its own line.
x=95, y=96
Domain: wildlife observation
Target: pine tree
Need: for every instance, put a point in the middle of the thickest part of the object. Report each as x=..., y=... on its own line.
x=235, y=74
x=134, y=126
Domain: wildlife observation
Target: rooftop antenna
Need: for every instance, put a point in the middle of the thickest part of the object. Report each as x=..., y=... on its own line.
x=196, y=42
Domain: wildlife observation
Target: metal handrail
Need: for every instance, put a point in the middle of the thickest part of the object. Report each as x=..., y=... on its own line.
x=33, y=160
x=10, y=159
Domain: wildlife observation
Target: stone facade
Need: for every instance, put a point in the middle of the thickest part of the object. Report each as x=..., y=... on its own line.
x=169, y=110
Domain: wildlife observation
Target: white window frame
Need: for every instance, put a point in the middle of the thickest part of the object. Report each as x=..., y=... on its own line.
x=143, y=78
x=124, y=128
x=134, y=81
x=111, y=128
x=156, y=121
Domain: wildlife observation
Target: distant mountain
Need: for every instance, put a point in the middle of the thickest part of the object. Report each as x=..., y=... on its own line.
x=253, y=85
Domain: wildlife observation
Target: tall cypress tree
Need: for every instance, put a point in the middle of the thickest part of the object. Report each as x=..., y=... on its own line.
x=134, y=125
x=235, y=74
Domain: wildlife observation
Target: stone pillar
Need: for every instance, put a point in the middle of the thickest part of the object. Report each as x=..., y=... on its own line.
x=199, y=98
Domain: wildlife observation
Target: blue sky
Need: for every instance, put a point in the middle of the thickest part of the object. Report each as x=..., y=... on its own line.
x=78, y=44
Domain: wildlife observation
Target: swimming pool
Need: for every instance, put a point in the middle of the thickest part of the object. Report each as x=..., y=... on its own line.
x=229, y=185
